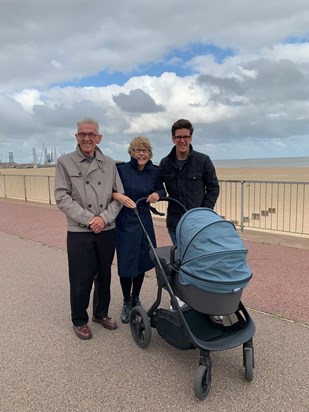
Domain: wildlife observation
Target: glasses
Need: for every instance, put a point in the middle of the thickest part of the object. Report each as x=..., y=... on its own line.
x=139, y=150
x=178, y=138
x=91, y=135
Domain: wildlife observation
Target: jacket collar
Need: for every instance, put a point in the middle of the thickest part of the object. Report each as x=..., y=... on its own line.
x=99, y=156
x=172, y=153
x=134, y=164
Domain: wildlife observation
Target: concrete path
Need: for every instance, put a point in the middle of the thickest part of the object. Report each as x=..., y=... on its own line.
x=44, y=367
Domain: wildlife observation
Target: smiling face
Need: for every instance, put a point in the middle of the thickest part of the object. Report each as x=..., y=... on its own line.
x=88, y=137
x=182, y=139
x=141, y=150
x=141, y=154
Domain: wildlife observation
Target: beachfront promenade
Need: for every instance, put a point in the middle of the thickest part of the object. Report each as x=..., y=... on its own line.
x=44, y=367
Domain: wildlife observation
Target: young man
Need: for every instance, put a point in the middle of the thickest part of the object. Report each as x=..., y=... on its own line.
x=84, y=184
x=189, y=176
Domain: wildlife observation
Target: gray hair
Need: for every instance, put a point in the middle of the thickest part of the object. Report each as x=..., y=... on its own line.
x=142, y=142
x=88, y=120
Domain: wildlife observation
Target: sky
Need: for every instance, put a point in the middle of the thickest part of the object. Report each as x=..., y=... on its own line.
x=238, y=70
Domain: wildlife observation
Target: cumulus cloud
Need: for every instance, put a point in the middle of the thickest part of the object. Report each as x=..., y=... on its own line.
x=137, y=101
x=163, y=59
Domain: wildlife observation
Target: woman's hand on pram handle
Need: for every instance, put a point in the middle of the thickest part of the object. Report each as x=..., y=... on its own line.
x=124, y=200
x=153, y=198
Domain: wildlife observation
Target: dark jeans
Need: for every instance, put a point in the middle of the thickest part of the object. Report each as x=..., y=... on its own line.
x=90, y=258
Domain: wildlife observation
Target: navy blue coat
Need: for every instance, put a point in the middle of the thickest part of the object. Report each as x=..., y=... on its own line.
x=131, y=243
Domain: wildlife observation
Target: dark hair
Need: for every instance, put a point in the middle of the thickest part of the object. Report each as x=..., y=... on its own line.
x=182, y=124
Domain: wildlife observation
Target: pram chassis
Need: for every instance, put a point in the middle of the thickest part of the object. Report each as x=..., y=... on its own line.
x=141, y=322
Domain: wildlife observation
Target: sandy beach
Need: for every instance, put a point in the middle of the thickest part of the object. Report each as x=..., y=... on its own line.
x=288, y=174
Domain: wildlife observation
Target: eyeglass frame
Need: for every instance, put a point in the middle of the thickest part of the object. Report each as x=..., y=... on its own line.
x=91, y=135
x=179, y=138
x=139, y=150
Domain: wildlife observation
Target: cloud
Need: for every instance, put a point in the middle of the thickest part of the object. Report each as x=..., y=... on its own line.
x=241, y=76
x=137, y=102
x=44, y=43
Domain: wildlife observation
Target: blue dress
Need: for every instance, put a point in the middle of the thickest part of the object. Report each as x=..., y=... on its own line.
x=131, y=243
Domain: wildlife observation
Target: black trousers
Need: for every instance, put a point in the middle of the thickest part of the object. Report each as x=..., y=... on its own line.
x=90, y=257
x=131, y=286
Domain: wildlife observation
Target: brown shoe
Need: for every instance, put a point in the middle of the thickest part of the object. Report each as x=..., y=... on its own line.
x=83, y=332
x=107, y=323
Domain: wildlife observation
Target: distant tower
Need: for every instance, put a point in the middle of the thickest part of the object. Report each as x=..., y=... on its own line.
x=45, y=156
x=34, y=158
x=11, y=157
x=55, y=155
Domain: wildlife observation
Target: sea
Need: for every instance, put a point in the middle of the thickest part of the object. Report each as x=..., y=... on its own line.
x=263, y=162
x=283, y=162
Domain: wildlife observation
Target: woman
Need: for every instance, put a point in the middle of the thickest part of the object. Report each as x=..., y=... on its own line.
x=140, y=178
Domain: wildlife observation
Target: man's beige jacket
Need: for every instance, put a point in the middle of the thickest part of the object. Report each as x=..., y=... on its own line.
x=84, y=189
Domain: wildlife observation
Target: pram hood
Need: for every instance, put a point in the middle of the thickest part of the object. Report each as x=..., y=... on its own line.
x=211, y=253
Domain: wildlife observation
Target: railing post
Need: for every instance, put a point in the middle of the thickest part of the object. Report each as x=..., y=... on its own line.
x=242, y=206
x=49, y=194
x=4, y=184
x=25, y=190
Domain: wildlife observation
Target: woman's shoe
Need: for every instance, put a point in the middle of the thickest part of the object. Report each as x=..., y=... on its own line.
x=126, y=310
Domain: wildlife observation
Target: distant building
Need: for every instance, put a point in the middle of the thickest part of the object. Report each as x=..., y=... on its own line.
x=45, y=157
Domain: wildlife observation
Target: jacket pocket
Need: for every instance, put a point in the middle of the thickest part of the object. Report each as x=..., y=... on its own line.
x=194, y=176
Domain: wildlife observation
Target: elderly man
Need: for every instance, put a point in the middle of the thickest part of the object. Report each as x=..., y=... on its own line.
x=84, y=184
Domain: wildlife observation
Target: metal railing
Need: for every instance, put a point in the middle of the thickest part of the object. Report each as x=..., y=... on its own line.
x=32, y=188
x=267, y=205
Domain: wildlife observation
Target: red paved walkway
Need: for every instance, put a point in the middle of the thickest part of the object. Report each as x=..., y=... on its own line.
x=280, y=284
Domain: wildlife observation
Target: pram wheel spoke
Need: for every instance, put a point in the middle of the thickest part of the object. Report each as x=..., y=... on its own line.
x=202, y=382
x=140, y=326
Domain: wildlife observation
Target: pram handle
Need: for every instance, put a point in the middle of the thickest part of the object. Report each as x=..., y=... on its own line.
x=165, y=198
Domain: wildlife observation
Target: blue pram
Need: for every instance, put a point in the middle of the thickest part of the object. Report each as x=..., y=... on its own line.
x=207, y=270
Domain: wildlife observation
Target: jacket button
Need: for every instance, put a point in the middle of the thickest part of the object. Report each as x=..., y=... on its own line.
x=87, y=182
x=101, y=206
x=80, y=173
x=89, y=205
x=99, y=183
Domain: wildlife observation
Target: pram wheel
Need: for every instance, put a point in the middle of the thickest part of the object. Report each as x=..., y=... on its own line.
x=202, y=382
x=140, y=326
x=248, y=363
